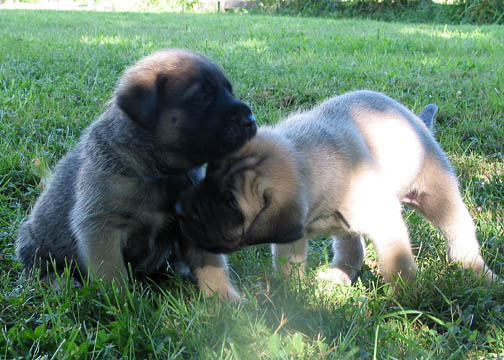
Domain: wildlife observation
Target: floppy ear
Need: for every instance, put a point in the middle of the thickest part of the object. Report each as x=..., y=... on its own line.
x=278, y=225
x=141, y=101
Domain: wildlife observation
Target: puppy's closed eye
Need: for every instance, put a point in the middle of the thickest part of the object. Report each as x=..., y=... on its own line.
x=230, y=200
x=267, y=201
x=201, y=99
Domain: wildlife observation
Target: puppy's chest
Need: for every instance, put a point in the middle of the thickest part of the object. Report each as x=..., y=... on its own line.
x=153, y=215
x=148, y=200
x=329, y=221
x=152, y=227
x=151, y=241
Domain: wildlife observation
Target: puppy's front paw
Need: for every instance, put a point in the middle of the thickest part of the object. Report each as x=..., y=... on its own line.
x=286, y=269
x=490, y=277
x=56, y=282
x=231, y=295
x=225, y=292
x=335, y=276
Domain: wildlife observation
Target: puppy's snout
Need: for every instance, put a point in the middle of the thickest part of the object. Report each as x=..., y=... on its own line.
x=249, y=120
x=243, y=115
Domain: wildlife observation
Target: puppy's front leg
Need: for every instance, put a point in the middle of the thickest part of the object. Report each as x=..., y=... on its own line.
x=290, y=258
x=103, y=253
x=211, y=272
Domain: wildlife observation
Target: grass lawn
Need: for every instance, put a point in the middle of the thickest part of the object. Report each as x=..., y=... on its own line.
x=57, y=70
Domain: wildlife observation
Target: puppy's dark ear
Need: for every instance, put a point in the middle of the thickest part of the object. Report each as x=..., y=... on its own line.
x=278, y=225
x=141, y=100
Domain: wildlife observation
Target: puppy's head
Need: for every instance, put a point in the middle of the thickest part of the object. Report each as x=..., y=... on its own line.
x=253, y=196
x=185, y=102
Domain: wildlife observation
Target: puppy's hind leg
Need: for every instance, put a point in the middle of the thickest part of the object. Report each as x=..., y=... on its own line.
x=439, y=199
x=376, y=214
x=347, y=260
x=393, y=248
x=28, y=250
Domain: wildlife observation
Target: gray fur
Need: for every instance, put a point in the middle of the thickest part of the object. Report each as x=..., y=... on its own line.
x=110, y=201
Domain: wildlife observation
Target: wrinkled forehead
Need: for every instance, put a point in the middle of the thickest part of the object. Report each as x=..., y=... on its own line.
x=249, y=156
x=218, y=171
x=233, y=165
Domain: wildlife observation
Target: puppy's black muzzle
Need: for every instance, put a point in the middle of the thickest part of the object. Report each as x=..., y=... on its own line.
x=188, y=217
x=203, y=223
x=242, y=115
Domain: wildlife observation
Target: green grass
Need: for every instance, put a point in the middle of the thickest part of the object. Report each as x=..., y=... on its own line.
x=57, y=70
x=407, y=11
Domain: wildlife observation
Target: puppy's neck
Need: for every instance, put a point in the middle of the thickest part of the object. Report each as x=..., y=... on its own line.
x=132, y=150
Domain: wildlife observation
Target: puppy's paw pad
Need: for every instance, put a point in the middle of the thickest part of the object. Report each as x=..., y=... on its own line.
x=335, y=276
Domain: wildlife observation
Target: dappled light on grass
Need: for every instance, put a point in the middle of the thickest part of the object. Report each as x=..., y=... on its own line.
x=104, y=40
x=256, y=45
x=446, y=33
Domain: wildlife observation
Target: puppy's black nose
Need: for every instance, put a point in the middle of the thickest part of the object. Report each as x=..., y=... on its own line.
x=243, y=115
x=250, y=120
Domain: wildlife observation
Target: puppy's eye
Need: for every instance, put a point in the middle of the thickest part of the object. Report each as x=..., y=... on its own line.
x=230, y=200
x=201, y=99
x=266, y=200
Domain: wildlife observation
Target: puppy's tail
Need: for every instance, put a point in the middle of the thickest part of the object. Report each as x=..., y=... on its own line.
x=428, y=115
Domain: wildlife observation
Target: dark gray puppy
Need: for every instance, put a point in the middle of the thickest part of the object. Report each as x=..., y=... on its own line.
x=110, y=201
x=343, y=169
